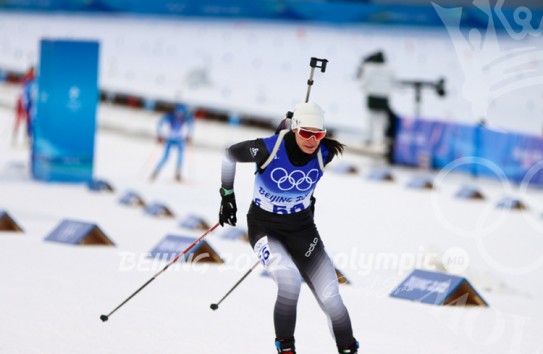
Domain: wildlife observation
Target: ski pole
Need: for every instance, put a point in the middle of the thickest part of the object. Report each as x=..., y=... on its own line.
x=104, y=318
x=152, y=155
x=216, y=306
x=313, y=63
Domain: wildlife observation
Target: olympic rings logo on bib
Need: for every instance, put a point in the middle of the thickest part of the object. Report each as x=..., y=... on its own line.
x=297, y=178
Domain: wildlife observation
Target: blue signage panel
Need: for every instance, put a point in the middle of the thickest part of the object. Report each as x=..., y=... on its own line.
x=70, y=232
x=381, y=174
x=420, y=182
x=510, y=203
x=469, y=192
x=233, y=233
x=194, y=222
x=434, y=288
x=158, y=209
x=344, y=168
x=131, y=198
x=100, y=185
x=170, y=246
x=427, y=287
x=65, y=118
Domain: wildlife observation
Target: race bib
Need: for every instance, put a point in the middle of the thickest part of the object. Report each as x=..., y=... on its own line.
x=262, y=251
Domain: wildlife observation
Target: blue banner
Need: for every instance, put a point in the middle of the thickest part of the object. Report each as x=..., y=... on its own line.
x=331, y=11
x=516, y=155
x=456, y=141
x=65, y=119
x=420, y=141
x=492, y=153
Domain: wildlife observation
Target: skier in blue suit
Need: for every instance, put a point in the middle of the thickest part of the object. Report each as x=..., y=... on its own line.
x=173, y=129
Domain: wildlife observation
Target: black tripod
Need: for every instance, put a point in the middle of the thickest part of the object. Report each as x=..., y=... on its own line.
x=438, y=86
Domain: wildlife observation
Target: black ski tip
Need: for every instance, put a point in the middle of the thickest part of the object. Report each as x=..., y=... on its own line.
x=104, y=318
x=214, y=306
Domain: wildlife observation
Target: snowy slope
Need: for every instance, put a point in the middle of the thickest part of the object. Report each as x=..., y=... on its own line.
x=52, y=295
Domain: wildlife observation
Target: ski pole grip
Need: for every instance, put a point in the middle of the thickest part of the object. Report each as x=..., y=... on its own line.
x=315, y=61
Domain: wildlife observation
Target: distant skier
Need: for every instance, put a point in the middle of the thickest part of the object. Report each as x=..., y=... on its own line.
x=24, y=109
x=174, y=129
x=281, y=226
x=20, y=118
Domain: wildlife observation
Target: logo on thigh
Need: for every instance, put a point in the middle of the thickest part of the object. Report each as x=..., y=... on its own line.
x=312, y=246
x=263, y=252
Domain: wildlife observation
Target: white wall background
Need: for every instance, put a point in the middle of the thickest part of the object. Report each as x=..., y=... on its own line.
x=261, y=68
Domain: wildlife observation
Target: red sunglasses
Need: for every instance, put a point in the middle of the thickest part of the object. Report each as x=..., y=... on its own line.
x=308, y=134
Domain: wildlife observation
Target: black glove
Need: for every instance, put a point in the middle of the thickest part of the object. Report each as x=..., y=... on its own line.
x=312, y=205
x=227, y=213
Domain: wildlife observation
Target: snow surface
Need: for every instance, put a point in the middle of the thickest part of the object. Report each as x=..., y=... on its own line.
x=53, y=294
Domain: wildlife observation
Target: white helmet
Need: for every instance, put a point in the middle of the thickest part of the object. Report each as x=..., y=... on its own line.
x=307, y=115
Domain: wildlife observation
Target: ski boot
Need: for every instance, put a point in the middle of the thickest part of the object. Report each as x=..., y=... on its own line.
x=153, y=176
x=349, y=349
x=178, y=176
x=285, y=345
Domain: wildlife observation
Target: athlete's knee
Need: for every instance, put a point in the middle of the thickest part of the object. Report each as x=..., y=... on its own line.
x=288, y=288
x=328, y=294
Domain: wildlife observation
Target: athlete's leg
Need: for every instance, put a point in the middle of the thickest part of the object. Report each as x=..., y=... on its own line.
x=278, y=263
x=179, y=165
x=163, y=160
x=19, y=118
x=378, y=121
x=320, y=274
